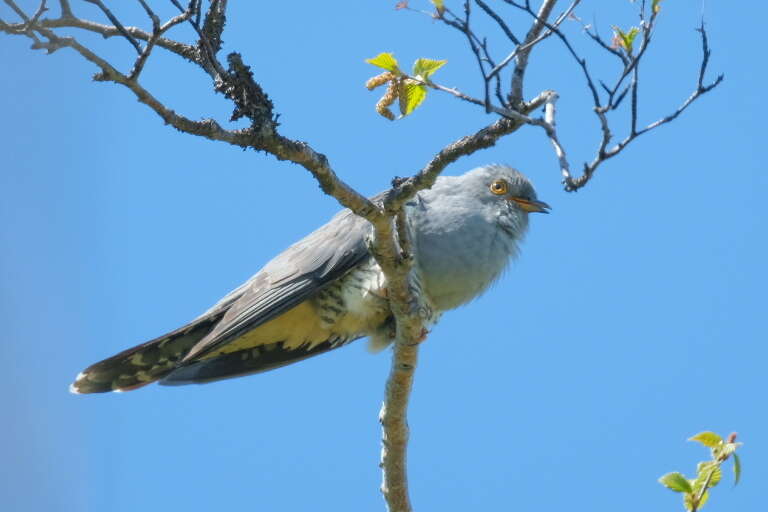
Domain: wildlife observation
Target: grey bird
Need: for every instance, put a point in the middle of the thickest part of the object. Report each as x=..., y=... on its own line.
x=327, y=290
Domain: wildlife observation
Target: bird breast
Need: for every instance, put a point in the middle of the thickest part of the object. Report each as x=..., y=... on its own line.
x=460, y=259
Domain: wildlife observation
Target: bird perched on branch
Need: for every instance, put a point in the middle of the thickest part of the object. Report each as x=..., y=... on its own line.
x=327, y=289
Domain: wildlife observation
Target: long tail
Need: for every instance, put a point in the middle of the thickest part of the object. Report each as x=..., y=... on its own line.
x=145, y=363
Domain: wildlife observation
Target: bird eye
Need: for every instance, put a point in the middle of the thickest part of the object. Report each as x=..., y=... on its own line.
x=499, y=187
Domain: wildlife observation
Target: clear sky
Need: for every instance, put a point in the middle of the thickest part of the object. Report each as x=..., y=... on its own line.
x=634, y=318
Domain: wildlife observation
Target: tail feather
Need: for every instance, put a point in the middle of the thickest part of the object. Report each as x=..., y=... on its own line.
x=145, y=363
x=244, y=362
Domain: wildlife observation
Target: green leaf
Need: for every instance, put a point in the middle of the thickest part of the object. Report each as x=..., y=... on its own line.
x=676, y=482
x=702, y=474
x=386, y=61
x=626, y=39
x=736, y=470
x=708, y=439
x=424, y=68
x=412, y=95
x=688, y=501
x=439, y=5
x=704, y=499
x=689, y=498
x=656, y=6
x=727, y=450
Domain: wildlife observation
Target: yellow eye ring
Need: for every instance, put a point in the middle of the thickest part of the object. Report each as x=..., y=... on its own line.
x=499, y=187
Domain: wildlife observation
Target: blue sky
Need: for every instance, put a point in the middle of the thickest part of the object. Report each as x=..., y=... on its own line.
x=633, y=319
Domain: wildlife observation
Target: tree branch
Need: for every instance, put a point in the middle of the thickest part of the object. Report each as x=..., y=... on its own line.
x=69, y=21
x=518, y=75
x=603, y=153
x=116, y=23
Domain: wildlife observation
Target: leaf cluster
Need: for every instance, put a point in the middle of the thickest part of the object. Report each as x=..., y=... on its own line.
x=708, y=473
x=410, y=90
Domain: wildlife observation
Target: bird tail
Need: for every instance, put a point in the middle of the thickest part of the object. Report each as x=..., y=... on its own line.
x=145, y=363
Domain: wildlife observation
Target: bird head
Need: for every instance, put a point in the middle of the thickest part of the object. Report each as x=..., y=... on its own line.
x=506, y=195
x=506, y=185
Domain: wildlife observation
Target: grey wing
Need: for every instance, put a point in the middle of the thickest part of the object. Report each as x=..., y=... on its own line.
x=289, y=279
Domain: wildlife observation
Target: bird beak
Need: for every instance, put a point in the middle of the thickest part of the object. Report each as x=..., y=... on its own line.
x=531, y=205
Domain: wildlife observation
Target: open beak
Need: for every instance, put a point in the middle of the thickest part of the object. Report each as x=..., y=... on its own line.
x=531, y=205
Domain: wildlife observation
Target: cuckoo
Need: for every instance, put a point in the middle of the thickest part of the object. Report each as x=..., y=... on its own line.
x=327, y=289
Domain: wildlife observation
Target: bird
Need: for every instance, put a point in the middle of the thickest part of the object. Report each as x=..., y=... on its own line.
x=327, y=289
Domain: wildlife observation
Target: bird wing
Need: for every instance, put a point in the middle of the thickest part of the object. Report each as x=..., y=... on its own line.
x=288, y=280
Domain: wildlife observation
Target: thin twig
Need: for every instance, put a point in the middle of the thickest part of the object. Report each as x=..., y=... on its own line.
x=20, y=13
x=208, y=59
x=573, y=184
x=157, y=31
x=152, y=16
x=703, y=490
x=551, y=28
x=40, y=11
x=499, y=21
x=521, y=59
x=599, y=40
x=119, y=26
x=66, y=10
x=549, y=124
x=183, y=50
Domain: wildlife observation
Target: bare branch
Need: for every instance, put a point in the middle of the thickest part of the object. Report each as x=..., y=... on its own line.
x=157, y=31
x=152, y=16
x=551, y=28
x=603, y=154
x=116, y=23
x=66, y=10
x=213, y=26
x=21, y=14
x=479, y=47
x=518, y=75
x=207, y=52
x=498, y=19
x=40, y=10
x=184, y=50
x=395, y=432
x=633, y=105
x=554, y=29
x=549, y=125
x=610, y=49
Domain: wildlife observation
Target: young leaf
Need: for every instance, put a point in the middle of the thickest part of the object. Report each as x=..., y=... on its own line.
x=703, y=471
x=386, y=61
x=727, y=450
x=688, y=501
x=708, y=439
x=689, y=498
x=703, y=500
x=439, y=6
x=412, y=94
x=626, y=39
x=424, y=68
x=736, y=470
x=676, y=482
x=656, y=6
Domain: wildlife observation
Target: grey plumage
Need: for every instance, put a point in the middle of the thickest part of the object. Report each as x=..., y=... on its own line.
x=326, y=290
